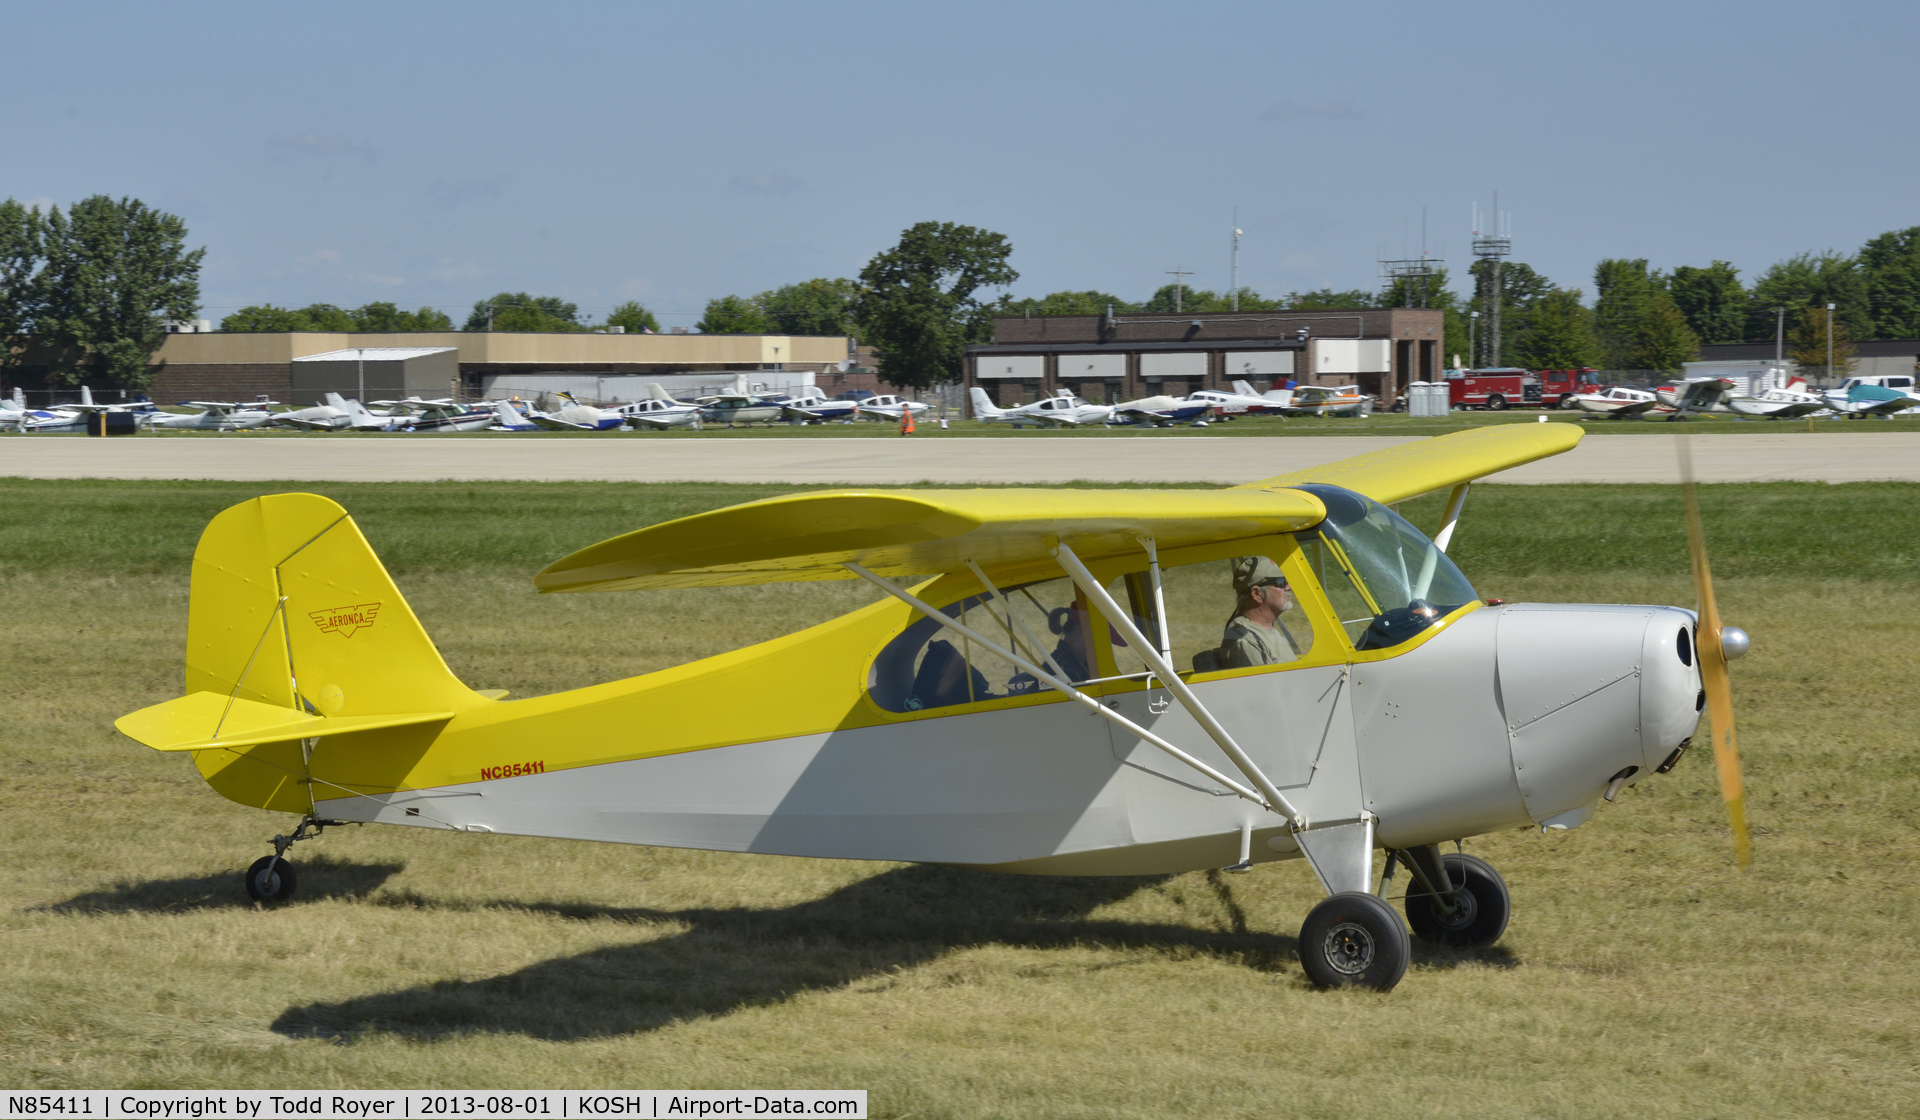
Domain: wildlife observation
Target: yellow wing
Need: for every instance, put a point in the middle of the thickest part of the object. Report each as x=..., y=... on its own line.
x=1412, y=469
x=914, y=532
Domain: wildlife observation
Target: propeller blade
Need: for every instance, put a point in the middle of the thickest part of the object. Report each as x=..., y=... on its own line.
x=1713, y=670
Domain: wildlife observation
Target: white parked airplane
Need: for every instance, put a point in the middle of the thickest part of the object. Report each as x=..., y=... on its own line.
x=1779, y=404
x=1243, y=401
x=510, y=419
x=740, y=408
x=1872, y=396
x=887, y=406
x=1328, y=400
x=1160, y=411
x=577, y=417
x=1618, y=402
x=811, y=406
x=216, y=416
x=660, y=412
x=441, y=415
x=1064, y=411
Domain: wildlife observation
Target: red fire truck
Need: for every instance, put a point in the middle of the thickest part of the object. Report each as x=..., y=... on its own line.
x=1509, y=387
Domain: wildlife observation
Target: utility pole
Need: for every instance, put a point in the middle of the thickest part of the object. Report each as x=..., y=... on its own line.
x=1177, y=274
x=1492, y=248
x=489, y=318
x=1779, y=334
x=1236, y=259
x=1473, y=337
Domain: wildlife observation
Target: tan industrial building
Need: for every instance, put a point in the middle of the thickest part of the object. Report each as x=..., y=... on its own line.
x=297, y=367
x=1113, y=358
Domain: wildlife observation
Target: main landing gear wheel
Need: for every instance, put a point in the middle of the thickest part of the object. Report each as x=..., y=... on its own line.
x=271, y=879
x=1354, y=940
x=1481, y=905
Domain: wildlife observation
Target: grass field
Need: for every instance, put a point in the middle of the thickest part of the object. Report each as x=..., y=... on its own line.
x=1642, y=975
x=1380, y=424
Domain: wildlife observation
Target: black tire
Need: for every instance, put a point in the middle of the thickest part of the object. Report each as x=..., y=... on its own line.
x=1354, y=940
x=1497, y=403
x=1481, y=900
x=270, y=880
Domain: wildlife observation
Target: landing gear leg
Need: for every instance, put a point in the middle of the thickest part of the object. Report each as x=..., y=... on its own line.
x=271, y=879
x=1455, y=899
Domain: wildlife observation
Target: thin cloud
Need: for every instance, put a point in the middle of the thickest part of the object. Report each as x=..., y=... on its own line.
x=1288, y=110
x=312, y=143
x=449, y=193
x=772, y=184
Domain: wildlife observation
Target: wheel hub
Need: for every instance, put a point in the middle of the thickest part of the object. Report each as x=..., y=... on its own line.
x=1465, y=909
x=1349, y=948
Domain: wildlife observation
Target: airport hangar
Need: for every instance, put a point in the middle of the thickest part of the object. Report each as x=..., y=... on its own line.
x=1114, y=358
x=298, y=367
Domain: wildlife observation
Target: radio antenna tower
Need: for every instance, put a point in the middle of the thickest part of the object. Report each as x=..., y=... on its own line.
x=1492, y=246
x=1422, y=269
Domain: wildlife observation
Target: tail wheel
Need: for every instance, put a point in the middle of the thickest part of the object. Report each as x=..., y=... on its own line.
x=270, y=879
x=1354, y=940
x=1481, y=905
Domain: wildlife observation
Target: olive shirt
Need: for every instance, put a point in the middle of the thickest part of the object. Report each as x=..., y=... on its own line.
x=1248, y=643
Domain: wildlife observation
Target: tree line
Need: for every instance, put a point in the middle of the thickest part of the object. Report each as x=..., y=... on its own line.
x=92, y=287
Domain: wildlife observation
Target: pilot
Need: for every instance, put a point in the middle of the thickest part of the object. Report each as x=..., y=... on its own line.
x=1255, y=635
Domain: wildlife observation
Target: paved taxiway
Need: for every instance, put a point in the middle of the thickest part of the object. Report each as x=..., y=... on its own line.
x=1819, y=457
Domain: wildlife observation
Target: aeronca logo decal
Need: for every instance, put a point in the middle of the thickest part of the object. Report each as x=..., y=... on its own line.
x=345, y=620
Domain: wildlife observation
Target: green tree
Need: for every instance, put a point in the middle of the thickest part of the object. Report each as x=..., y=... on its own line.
x=635, y=318
x=387, y=317
x=1811, y=278
x=22, y=251
x=519, y=311
x=1089, y=302
x=1713, y=301
x=1623, y=294
x=819, y=307
x=115, y=271
x=918, y=301
x=1559, y=334
x=1891, y=264
x=1665, y=341
x=1807, y=344
x=265, y=318
x=1326, y=299
x=734, y=315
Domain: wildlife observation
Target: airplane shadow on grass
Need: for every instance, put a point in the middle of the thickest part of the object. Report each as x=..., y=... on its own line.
x=735, y=959
x=321, y=878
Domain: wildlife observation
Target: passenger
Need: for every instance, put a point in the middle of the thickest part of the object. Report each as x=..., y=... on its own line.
x=1255, y=635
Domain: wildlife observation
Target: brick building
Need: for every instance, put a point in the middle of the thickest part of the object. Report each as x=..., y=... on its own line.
x=1123, y=357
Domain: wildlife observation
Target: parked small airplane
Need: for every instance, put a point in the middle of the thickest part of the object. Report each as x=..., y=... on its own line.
x=1705, y=394
x=577, y=417
x=509, y=418
x=811, y=406
x=216, y=416
x=442, y=415
x=660, y=411
x=1329, y=400
x=1779, y=403
x=1362, y=696
x=1618, y=402
x=1063, y=411
x=1162, y=411
x=739, y=408
x=888, y=406
x=1243, y=401
x=1872, y=396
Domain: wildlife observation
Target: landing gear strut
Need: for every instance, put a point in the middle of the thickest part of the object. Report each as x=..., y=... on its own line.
x=271, y=879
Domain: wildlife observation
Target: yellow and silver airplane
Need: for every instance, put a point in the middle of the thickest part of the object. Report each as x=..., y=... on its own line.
x=1059, y=697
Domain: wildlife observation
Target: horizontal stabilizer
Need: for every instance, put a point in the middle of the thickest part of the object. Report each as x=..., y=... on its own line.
x=206, y=720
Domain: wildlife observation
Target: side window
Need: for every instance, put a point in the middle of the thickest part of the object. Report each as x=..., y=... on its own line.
x=929, y=666
x=1221, y=614
x=1353, y=610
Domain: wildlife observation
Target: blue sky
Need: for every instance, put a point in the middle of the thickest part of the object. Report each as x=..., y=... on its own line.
x=434, y=154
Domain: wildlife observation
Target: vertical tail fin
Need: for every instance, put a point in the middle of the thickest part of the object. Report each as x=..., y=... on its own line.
x=983, y=406
x=1244, y=388
x=290, y=607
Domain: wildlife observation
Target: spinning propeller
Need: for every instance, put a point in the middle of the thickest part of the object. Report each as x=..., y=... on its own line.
x=1714, y=646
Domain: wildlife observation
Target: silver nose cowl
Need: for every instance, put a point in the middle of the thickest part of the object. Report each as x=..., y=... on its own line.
x=1734, y=642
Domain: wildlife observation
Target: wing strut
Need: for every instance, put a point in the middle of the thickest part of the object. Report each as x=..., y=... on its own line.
x=1150, y=653
x=1062, y=687
x=1454, y=501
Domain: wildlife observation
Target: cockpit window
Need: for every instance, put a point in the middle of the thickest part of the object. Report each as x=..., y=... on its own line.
x=1404, y=583
x=929, y=666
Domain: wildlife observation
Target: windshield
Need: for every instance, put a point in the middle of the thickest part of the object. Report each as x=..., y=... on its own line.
x=1407, y=583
